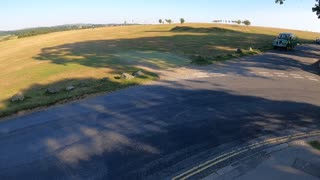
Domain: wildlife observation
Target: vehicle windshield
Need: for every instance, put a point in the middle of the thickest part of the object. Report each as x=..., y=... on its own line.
x=283, y=36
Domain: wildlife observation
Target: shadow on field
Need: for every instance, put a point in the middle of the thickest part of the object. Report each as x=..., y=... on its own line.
x=170, y=51
x=156, y=52
x=138, y=132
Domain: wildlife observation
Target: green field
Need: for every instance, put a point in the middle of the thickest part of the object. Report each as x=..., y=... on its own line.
x=93, y=59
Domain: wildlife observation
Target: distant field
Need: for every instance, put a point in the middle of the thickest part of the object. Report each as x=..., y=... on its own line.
x=8, y=37
x=93, y=59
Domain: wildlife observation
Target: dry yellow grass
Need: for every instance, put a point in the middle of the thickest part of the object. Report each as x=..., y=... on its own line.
x=29, y=65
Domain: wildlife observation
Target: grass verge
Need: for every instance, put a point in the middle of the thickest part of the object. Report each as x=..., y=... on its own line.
x=315, y=144
x=37, y=95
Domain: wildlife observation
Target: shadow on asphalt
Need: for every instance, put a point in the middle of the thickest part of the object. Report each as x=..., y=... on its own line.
x=300, y=59
x=139, y=132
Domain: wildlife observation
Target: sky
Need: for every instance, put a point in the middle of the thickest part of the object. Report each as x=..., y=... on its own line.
x=294, y=14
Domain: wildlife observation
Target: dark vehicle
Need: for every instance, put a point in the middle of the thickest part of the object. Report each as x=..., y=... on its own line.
x=285, y=40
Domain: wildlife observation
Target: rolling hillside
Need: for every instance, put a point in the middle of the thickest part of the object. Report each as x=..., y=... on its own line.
x=93, y=59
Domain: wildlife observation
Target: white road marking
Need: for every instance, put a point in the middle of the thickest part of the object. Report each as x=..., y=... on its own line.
x=203, y=76
x=280, y=75
x=311, y=77
x=217, y=74
x=267, y=75
x=298, y=77
x=277, y=73
x=206, y=75
x=199, y=73
x=261, y=73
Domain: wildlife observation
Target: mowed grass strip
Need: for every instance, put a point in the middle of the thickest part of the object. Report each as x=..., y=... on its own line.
x=92, y=59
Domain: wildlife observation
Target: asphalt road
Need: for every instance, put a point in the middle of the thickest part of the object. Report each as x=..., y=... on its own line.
x=156, y=130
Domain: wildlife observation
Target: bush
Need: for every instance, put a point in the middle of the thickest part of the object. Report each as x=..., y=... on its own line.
x=246, y=22
x=200, y=60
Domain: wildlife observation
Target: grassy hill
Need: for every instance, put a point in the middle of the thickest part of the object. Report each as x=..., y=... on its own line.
x=92, y=59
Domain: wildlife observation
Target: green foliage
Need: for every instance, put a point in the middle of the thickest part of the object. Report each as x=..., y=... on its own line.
x=315, y=9
x=160, y=21
x=182, y=20
x=4, y=33
x=169, y=21
x=228, y=21
x=246, y=22
x=200, y=60
x=280, y=1
x=45, y=30
x=315, y=144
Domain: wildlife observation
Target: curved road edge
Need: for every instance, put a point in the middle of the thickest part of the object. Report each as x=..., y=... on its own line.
x=224, y=161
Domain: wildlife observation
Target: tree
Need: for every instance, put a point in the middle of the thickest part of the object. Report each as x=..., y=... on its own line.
x=160, y=21
x=315, y=9
x=217, y=21
x=246, y=22
x=238, y=22
x=182, y=21
x=169, y=21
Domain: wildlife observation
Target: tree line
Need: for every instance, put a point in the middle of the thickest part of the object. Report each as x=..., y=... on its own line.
x=245, y=22
x=45, y=30
x=182, y=21
x=170, y=21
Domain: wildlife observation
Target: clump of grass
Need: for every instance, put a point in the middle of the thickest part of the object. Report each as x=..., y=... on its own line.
x=315, y=144
x=207, y=60
x=234, y=55
x=201, y=60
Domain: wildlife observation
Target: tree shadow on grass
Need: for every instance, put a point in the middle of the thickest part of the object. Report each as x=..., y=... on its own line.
x=167, y=51
x=162, y=51
x=139, y=132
